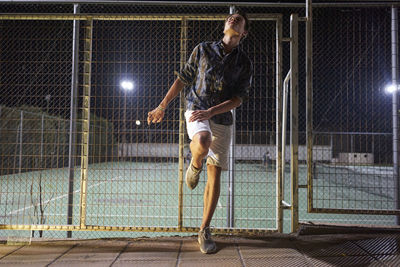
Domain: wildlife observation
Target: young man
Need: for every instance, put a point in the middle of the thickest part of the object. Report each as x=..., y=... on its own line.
x=216, y=78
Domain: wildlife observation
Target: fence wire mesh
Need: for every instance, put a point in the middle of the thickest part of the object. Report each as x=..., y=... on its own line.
x=133, y=168
x=352, y=113
x=138, y=184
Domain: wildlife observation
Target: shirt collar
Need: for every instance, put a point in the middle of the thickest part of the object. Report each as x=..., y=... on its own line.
x=220, y=44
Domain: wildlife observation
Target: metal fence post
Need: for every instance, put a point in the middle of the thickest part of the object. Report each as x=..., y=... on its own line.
x=395, y=54
x=87, y=57
x=20, y=140
x=181, y=124
x=41, y=143
x=309, y=103
x=231, y=170
x=294, y=122
x=72, y=129
x=278, y=127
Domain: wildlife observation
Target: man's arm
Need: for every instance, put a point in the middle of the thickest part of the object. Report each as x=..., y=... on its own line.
x=157, y=114
x=202, y=115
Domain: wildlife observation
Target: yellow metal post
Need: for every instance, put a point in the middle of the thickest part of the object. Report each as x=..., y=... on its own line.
x=88, y=29
x=182, y=122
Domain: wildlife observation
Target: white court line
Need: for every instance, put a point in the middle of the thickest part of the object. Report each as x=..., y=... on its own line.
x=59, y=197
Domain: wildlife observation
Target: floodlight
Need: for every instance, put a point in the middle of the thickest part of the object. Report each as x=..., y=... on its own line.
x=127, y=85
x=392, y=88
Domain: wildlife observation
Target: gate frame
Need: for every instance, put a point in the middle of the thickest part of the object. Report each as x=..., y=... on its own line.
x=86, y=109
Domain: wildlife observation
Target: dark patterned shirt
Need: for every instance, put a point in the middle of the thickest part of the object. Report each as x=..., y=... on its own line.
x=211, y=77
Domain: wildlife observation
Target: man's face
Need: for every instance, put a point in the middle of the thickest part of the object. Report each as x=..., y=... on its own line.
x=236, y=22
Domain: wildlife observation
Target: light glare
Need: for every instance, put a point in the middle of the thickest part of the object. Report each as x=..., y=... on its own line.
x=138, y=122
x=127, y=85
x=391, y=88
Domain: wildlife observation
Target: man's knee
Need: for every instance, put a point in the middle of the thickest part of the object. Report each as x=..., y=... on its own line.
x=203, y=139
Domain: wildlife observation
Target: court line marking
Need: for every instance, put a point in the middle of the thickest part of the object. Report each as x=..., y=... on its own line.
x=59, y=197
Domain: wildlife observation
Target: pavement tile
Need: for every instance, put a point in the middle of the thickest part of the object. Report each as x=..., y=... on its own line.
x=389, y=260
x=267, y=248
x=93, y=252
x=381, y=245
x=354, y=261
x=6, y=249
x=151, y=250
x=330, y=248
x=226, y=249
x=277, y=262
x=205, y=260
x=81, y=263
x=25, y=264
x=166, y=263
x=36, y=254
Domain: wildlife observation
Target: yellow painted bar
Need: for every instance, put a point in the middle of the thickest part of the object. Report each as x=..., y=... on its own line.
x=182, y=124
x=250, y=232
x=85, y=120
x=178, y=17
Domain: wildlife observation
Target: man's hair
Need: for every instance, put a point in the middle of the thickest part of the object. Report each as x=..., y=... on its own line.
x=243, y=14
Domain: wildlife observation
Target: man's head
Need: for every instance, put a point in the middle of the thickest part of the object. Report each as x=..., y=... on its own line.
x=237, y=24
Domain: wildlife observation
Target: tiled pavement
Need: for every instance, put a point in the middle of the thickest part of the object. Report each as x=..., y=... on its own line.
x=276, y=250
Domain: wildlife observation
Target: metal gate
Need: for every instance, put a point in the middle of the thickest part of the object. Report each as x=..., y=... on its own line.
x=84, y=160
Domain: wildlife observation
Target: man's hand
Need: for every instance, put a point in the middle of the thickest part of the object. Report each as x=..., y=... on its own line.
x=200, y=115
x=155, y=116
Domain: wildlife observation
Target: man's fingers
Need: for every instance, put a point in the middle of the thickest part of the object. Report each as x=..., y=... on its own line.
x=154, y=117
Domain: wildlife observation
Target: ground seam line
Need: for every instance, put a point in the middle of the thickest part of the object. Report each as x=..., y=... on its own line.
x=240, y=254
x=11, y=252
x=120, y=253
x=369, y=254
x=68, y=250
x=307, y=259
x=178, y=257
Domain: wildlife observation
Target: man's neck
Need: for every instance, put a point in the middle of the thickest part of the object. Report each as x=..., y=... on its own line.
x=230, y=42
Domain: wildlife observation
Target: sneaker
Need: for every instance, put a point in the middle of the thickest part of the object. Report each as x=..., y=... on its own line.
x=192, y=176
x=207, y=245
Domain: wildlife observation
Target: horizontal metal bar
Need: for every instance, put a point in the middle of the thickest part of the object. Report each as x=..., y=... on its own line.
x=353, y=133
x=303, y=186
x=128, y=17
x=286, y=39
x=354, y=3
x=133, y=229
x=354, y=211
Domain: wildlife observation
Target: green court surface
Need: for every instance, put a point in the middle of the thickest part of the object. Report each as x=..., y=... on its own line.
x=146, y=194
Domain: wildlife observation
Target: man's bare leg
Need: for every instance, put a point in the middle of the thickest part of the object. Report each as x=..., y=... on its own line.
x=211, y=194
x=199, y=147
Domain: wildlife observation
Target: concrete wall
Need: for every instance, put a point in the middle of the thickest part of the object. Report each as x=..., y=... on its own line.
x=242, y=152
x=355, y=158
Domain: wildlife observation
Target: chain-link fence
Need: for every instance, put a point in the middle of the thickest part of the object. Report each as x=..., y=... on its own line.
x=134, y=169
x=352, y=112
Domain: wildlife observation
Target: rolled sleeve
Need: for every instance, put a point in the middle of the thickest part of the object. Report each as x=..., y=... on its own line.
x=188, y=74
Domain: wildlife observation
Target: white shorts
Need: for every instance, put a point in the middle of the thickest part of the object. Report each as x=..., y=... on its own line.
x=218, y=153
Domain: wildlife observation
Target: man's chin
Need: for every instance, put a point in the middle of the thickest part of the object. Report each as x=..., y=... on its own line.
x=231, y=32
